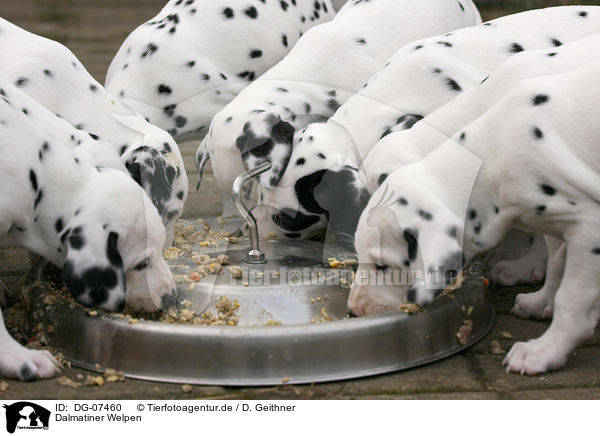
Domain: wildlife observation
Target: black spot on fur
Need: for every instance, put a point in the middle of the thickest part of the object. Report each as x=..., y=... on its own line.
x=403, y=201
x=164, y=89
x=21, y=82
x=255, y=54
x=556, y=42
x=228, y=13
x=169, y=110
x=93, y=88
x=537, y=133
x=548, y=190
x=411, y=236
x=453, y=85
x=251, y=12
x=583, y=14
x=301, y=161
x=180, y=121
x=284, y=40
x=112, y=251
x=427, y=216
x=472, y=214
x=58, y=225
x=540, y=209
x=33, y=180
x=382, y=178
x=515, y=48
x=596, y=251
x=540, y=99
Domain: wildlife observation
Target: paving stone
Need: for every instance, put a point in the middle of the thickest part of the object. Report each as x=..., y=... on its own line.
x=557, y=394
x=442, y=396
x=130, y=389
x=520, y=329
x=581, y=371
x=13, y=261
x=452, y=374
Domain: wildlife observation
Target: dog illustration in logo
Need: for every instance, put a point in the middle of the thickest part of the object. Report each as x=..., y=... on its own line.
x=30, y=412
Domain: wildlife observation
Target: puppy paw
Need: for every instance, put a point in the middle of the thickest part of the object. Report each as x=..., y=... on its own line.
x=29, y=365
x=536, y=305
x=533, y=357
x=511, y=273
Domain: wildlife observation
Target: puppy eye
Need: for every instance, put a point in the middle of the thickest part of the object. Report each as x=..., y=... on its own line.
x=381, y=267
x=142, y=265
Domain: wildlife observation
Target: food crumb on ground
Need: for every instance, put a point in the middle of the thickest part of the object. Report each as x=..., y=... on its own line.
x=186, y=388
x=94, y=381
x=3, y=386
x=505, y=335
x=66, y=381
x=496, y=348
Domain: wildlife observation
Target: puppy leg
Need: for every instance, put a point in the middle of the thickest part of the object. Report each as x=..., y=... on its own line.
x=540, y=304
x=17, y=361
x=576, y=313
x=528, y=269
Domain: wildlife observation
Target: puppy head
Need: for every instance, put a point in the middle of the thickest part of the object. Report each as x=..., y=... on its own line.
x=320, y=187
x=157, y=166
x=114, y=247
x=408, y=249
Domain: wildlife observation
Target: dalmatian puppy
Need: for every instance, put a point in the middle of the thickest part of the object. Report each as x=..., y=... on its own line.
x=314, y=79
x=51, y=74
x=529, y=162
x=95, y=223
x=196, y=56
x=409, y=147
x=420, y=77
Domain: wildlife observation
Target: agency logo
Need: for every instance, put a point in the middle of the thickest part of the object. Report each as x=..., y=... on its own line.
x=26, y=416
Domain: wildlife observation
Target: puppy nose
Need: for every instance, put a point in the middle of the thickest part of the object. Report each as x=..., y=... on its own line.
x=169, y=300
x=351, y=314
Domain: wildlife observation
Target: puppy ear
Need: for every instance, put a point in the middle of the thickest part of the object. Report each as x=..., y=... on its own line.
x=153, y=172
x=93, y=271
x=267, y=138
x=339, y=195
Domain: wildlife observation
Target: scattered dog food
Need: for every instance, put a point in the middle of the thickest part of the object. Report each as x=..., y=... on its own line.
x=496, y=348
x=464, y=332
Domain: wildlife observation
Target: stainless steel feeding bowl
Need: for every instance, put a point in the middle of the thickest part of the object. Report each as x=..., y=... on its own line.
x=273, y=319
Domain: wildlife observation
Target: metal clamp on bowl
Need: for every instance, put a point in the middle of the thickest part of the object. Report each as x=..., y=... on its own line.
x=255, y=255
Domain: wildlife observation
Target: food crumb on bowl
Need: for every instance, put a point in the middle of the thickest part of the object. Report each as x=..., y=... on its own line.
x=409, y=308
x=464, y=332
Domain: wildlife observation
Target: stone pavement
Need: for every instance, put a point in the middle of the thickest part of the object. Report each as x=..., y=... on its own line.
x=94, y=31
